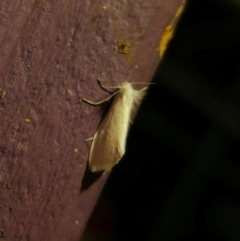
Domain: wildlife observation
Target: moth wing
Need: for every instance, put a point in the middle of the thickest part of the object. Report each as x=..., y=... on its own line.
x=108, y=144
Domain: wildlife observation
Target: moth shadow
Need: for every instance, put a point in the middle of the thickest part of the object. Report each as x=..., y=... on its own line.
x=89, y=178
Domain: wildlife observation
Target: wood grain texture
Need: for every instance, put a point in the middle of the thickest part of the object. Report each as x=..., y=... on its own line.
x=52, y=53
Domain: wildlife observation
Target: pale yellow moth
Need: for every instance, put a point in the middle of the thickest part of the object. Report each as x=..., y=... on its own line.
x=108, y=145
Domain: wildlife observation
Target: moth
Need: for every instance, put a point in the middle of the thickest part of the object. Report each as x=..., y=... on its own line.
x=109, y=142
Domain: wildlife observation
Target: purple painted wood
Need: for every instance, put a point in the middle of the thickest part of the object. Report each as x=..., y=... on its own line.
x=52, y=53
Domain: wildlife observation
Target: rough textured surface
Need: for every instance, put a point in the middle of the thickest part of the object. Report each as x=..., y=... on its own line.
x=52, y=53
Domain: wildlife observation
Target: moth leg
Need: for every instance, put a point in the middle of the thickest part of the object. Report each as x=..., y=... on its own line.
x=100, y=102
x=89, y=139
x=105, y=87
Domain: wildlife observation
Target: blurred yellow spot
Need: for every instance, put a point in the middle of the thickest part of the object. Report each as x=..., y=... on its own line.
x=169, y=31
x=180, y=10
x=27, y=120
x=166, y=37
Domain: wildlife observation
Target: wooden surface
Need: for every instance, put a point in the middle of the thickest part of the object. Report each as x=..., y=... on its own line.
x=51, y=54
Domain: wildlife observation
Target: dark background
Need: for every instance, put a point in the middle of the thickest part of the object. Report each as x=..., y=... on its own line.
x=179, y=179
